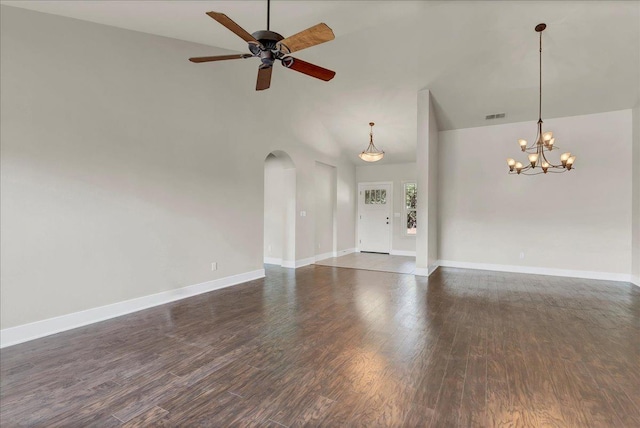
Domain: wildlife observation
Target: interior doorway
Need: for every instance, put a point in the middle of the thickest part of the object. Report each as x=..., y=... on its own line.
x=279, y=209
x=375, y=219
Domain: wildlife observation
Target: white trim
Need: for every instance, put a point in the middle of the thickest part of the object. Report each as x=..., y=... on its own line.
x=390, y=208
x=421, y=272
x=433, y=268
x=635, y=280
x=305, y=262
x=338, y=253
x=426, y=271
x=272, y=261
x=23, y=333
x=608, y=276
x=290, y=264
x=341, y=253
x=403, y=253
x=324, y=256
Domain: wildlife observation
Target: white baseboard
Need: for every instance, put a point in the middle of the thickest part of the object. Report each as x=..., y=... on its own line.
x=23, y=333
x=290, y=264
x=311, y=260
x=298, y=263
x=305, y=262
x=324, y=256
x=607, y=276
x=344, y=252
x=426, y=271
x=272, y=261
x=421, y=272
x=635, y=280
x=403, y=253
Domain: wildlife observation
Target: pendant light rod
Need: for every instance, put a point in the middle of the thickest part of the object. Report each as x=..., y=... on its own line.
x=540, y=28
x=371, y=132
x=268, y=13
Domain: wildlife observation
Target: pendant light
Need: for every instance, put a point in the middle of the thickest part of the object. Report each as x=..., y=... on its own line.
x=371, y=154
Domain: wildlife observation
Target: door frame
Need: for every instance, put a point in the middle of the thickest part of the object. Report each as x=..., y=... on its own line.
x=374, y=183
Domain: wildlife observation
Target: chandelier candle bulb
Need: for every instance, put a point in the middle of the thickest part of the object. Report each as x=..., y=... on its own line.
x=523, y=144
x=547, y=136
x=511, y=163
x=570, y=162
x=545, y=166
x=550, y=143
x=518, y=167
x=564, y=158
x=533, y=158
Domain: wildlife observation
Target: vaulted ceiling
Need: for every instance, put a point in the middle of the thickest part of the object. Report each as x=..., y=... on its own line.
x=477, y=57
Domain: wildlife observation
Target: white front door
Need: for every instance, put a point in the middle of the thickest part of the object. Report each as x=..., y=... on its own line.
x=374, y=217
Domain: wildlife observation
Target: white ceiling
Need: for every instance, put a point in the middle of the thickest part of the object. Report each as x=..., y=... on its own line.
x=477, y=57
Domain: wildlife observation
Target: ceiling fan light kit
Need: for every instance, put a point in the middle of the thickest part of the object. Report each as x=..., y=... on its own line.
x=371, y=154
x=270, y=47
x=544, y=142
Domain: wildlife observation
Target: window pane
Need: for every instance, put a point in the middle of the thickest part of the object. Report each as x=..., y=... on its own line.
x=383, y=196
x=410, y=195
x=367, y=197
x=377, y=196
x=411, y=223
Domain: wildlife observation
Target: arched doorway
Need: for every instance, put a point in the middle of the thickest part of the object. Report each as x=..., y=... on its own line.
x=279, y=209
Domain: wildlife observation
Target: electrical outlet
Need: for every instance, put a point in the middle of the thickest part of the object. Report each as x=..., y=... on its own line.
x=214, y=266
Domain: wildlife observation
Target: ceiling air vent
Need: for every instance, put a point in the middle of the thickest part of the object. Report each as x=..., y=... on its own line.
x=494, y=116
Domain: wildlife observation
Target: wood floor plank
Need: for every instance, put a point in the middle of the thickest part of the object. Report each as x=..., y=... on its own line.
x=328, y=346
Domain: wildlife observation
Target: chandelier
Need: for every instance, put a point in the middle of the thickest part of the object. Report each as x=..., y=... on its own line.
x=372, y=154
x=544, y=142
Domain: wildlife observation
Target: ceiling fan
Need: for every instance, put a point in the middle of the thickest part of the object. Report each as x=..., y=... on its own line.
x=270, y=47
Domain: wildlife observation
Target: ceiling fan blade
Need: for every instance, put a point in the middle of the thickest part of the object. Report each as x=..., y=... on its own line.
x=200, y=59
x=308, y=68
x=264, y=78
x=235, y=28
x=306, y=38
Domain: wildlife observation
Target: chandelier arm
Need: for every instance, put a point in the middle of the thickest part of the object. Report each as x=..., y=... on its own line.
x=529, y=173
x=552, y=165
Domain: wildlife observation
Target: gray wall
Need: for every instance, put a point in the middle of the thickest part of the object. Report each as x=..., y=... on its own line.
x=274, y=208
x=325, y=203
x=579, y=220
x=127, y=170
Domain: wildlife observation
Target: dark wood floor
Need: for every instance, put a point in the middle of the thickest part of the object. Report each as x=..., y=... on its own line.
x=326, y=346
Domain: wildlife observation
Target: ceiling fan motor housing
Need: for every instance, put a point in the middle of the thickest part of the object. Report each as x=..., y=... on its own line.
x=270, y=50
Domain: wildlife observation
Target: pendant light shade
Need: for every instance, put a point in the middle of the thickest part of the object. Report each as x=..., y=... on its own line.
x=371, y=154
